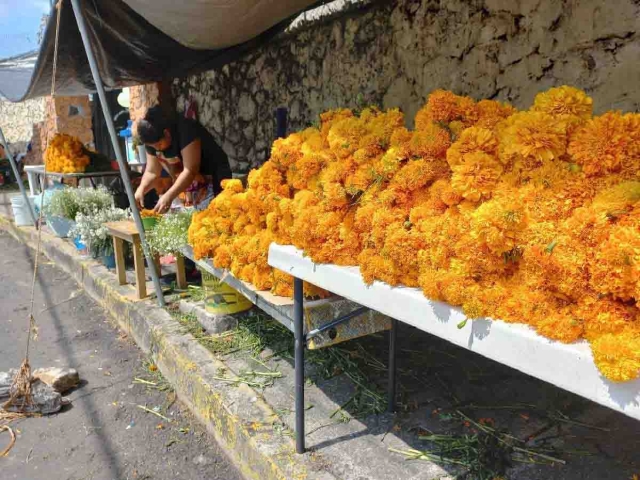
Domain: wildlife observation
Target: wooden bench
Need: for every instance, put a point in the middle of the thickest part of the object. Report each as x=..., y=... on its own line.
x=126, y=231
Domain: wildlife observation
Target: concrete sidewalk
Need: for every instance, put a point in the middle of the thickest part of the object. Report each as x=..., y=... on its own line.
x=345, y=438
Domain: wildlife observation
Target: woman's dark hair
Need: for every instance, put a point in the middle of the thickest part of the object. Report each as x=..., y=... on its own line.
x=151, y=128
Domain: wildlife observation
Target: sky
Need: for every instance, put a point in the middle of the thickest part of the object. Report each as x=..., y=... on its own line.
x=19, y=24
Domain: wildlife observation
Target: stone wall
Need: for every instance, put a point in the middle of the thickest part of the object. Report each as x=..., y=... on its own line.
x=71, y=115
x=17, y=120
x=142, y=97
x=395, y=52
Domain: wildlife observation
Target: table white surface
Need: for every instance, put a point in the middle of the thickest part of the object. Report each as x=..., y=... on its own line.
x=570, y=367
x=33, y=171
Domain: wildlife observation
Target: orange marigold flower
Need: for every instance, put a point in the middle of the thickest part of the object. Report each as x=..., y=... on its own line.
x=400, y=137
x=616, y=201
x=430, y=142
x=499, y=224
x=477, y=176
x=381, y=127
x=328, y=119
x=286, y=151
x=233, y=185
x=533, y=135
x=616, y=269
x=263, y=278
x=603, y=316
x=631, y=161
x=222, y=258
x=418, y=173
x=471, y=140
x=310, y=165
x=374, y=267
x=344, y=136
x=632, y=129
x=441, y=106
x=600, y=147
x=334, y=195
x=618, y=355
x=313, y=141
x=456, y=128
x=561, y=326
x=389, y=163
x=444, y=107
x=401, y=247
x=492, y=112
x=564, y=100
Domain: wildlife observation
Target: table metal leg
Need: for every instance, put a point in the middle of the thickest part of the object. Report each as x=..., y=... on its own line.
x=298, y=330
x=393, y=334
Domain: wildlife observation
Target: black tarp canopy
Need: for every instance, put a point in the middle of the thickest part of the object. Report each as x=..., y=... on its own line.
x=143, y=41
x=117, y=43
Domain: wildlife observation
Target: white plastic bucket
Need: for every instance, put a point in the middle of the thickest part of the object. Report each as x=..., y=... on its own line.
x=21, y=213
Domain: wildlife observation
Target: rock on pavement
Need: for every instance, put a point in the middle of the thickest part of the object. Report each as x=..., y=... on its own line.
x=60, y=379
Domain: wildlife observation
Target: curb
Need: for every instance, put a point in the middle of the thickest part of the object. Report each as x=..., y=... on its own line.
x=212, y=323
x=228, y=413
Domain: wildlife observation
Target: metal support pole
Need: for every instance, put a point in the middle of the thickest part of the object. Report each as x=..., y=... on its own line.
x=281, y=122
x=298, y=331
x=393, y=335
x=16, y=173
x=124, y=172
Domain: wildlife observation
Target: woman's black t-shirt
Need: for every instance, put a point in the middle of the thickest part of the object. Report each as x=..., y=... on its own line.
x=214, y=160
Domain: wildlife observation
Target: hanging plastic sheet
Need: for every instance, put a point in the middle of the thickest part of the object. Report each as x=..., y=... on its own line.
x=131, y=51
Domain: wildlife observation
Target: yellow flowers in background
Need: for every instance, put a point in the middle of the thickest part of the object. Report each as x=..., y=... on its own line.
x=65, y=154
x=524, y=216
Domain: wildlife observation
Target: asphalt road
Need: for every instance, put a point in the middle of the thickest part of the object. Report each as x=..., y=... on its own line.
x=104, y=434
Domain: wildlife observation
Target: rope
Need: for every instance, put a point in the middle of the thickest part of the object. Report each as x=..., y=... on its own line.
x=21, y=386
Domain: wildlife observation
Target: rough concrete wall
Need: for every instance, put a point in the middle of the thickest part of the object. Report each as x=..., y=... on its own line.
x=396, y=52
x=17, y=120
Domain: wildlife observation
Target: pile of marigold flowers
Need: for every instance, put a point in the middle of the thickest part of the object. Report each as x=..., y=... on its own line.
x=524, y=216
x=65, y=154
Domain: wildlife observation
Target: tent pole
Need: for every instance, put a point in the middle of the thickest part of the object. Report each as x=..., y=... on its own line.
x=14, y=167
x=124, y=172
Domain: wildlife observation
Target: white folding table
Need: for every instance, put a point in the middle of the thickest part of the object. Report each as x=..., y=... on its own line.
x=35, y=175
x=568, y=366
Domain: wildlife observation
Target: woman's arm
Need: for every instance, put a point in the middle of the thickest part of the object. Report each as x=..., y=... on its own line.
x=191, y=158
x=151, y=173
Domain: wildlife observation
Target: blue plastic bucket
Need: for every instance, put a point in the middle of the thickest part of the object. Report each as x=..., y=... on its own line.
x=109, y=261
x=78, y=243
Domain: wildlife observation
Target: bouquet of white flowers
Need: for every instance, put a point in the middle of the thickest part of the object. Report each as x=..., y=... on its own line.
x=92, y=232
x=68, y=202
x=170, y=233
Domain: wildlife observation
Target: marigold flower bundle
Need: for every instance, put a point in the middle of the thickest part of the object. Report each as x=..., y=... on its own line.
x=146, y=213
x=65, y=154
x=529, y=216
